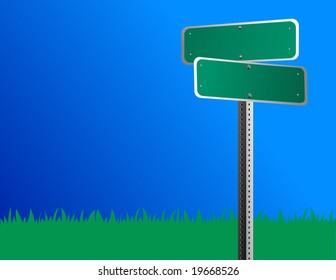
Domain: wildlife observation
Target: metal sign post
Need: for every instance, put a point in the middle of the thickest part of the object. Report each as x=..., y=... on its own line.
x=214, y=51
x=245, y=180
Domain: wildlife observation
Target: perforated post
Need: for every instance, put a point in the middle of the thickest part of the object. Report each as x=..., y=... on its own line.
x=245, y=180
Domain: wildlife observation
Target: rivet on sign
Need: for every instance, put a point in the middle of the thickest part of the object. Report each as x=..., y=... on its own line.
x=240, y=56
x=239, y=27
x=200, y=65
x=200, y=85
x=249, y=95
x=189, y=33
x=297, y=94
x=190, y=54
x=289, y=49
x=248, y=67
x=298, y=74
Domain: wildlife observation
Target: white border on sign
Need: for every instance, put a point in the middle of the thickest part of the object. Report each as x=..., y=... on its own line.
x=252, y=63
x=252, y=22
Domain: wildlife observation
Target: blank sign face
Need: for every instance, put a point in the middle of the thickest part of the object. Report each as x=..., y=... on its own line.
x=243, y=81
x=265, y=40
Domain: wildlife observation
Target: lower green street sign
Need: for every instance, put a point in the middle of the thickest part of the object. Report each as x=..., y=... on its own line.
x=260, y=40
x=246, y=81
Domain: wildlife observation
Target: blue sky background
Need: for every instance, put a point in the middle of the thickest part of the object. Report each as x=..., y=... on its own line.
x=97, y=111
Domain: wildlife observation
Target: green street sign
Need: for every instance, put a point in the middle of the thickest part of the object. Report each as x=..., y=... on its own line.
x=245, y=81
x=263, y=40
x=223, y=58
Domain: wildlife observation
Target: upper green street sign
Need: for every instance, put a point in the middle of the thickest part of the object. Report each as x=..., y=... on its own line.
x=246, y=81
x=262, y=40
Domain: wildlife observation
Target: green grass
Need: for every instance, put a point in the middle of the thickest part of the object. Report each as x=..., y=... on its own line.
x=61, y=237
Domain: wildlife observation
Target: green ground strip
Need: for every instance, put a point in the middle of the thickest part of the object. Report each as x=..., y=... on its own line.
x=142, y=237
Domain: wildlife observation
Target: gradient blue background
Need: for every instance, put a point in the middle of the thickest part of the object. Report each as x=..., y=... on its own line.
x=97, y=111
